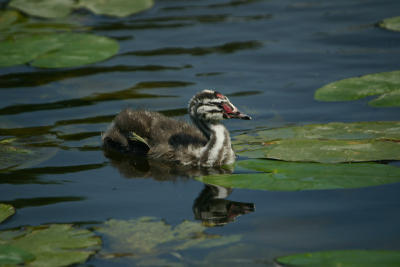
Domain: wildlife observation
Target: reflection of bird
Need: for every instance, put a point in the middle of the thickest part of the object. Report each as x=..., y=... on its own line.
x=213, y=209
x=151, y=133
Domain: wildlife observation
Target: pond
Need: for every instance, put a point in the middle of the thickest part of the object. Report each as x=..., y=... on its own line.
x=269, y=57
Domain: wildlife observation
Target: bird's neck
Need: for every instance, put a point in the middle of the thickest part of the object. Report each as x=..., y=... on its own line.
x=218, y=150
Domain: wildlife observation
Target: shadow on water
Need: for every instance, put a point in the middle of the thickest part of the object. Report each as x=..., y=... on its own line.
x=211, y=206
x=233, y=3
x=198, y=51
x=130, y=93
x=35, y=175
x=177, y=21
x=41, y=201
x=42, y=77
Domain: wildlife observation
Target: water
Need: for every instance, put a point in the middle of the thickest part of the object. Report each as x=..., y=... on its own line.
x=269, y=56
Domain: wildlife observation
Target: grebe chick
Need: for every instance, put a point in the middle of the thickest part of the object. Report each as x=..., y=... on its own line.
x=206, y=143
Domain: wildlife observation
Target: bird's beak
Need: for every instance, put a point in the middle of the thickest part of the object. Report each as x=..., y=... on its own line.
x=239, y=115
x=231, y=112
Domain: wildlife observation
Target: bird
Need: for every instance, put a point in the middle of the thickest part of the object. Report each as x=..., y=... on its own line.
x=205, y=143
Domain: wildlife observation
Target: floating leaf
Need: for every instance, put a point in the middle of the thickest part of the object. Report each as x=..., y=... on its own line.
x=10, y=255
x=149, y=236
x=51, y=245
x=275, y=175
x=13, y=25
x=62, y=8
x=6, y=211
x=8, y=18
x=391, y=23
x=343, y=258
x=57, y=50
x=384, y=83
x=326, y=143
x=44, y=8
x=118, y=8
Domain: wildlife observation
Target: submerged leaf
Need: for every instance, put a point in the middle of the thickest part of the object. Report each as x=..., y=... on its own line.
x=6, y=211
x=51, y=245
x=343, y=258
x=391, y=23
x=149, y=236
x=360, y=87
x=275, y=175
x=118, y=8
x=17, y=153
x=326, y=143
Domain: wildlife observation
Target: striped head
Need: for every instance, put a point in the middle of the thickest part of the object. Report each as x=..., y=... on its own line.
x=212, y=107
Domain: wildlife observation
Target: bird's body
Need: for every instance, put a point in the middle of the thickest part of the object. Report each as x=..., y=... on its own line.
x=206, y=143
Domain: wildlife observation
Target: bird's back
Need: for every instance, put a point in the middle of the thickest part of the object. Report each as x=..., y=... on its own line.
x=165, y=138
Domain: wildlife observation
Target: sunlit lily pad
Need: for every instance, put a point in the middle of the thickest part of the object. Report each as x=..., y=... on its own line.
x=118, y=8
x=44, y=8
x=326, y=143
x=18, y=153
x=385, y=84
x=391, y=23
x=6, y=211
x=149, y=236
x=343, y=258
x=273, y=175
x=57, y=50
x=50, y=245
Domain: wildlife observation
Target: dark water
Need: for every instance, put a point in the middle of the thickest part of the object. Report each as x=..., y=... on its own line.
x=269, y=57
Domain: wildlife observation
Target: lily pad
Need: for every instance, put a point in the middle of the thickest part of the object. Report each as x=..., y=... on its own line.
x=149, y=236
x=44, y=8
x=57, y=50
x=326, y=143
x=14, y=25
x=62, y=8
x=10, y=255
x=391, y=23
x=343, y=258
x=118, y=8
x=385, y=84
x=6, y=211
x=275, y=175
x=50, y=245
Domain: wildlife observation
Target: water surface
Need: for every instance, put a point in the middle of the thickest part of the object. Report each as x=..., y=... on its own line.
x=268, y=56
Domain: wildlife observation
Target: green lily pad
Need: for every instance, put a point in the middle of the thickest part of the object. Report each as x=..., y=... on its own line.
x=50, y=245
x=343, y=258
x=6, y=211
x=13, y=25
x=8, y=18
x=62, y=8
x=118, y=8
x=10, y=255
x=58, y=50
x=275, y=175
x=386, y=84
x=18, y=153
x=391, y=23
x=44, y=8
x=326, y=143
x=148, y=236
